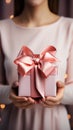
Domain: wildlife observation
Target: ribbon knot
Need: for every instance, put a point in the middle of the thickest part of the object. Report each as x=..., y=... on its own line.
x=36, y=59
x=43, y=64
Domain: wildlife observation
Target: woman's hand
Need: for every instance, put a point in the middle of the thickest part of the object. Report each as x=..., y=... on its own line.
x=21, y=102
x=53, y=101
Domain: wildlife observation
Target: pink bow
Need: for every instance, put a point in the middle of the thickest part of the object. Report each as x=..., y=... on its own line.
x=43, y=65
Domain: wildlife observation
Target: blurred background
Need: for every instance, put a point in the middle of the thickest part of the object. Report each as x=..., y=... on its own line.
x=62, y=7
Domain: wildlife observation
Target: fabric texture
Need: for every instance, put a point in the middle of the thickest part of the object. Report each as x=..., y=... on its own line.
x=12, y=38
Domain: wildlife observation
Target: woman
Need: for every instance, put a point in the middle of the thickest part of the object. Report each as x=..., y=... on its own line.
x=36, y=27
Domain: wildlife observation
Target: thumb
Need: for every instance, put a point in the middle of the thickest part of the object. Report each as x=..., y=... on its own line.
x=60, y=84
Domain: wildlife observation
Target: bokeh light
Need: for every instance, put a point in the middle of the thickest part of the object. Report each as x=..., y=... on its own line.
x=2, y=106
x=11, y=16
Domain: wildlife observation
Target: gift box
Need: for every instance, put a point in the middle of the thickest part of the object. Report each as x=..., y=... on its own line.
x=37, y=72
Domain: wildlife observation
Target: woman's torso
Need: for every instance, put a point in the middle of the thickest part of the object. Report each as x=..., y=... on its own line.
x=13, y=37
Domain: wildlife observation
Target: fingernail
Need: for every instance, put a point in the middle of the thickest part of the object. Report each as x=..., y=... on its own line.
x=25, y=99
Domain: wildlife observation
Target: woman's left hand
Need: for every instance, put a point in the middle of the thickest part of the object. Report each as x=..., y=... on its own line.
x=53, y=101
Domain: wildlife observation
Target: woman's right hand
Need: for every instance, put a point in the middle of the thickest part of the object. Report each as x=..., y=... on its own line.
x=21, y=102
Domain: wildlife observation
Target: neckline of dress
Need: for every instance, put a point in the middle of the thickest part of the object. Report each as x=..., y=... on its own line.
x=38, y=27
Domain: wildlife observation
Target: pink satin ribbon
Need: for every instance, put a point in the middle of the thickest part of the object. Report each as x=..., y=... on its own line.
x=43, y=64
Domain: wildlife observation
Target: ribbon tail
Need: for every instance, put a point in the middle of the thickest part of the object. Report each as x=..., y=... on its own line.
x=40, y=82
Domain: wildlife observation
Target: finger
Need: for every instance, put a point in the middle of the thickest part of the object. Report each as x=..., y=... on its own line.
x=13, y=97
x=46, y=105
x=24, y=101
x=51, y=103
x=31, y=100
x=54, y=99
x=27, y=107
x=60, y=86
x=15, y=84
x=29, y=103
x=23, y=105
x=60, y=91
x=19, y=102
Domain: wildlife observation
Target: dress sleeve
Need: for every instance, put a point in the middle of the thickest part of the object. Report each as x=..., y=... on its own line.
x=68, y=93
x=4, y=87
